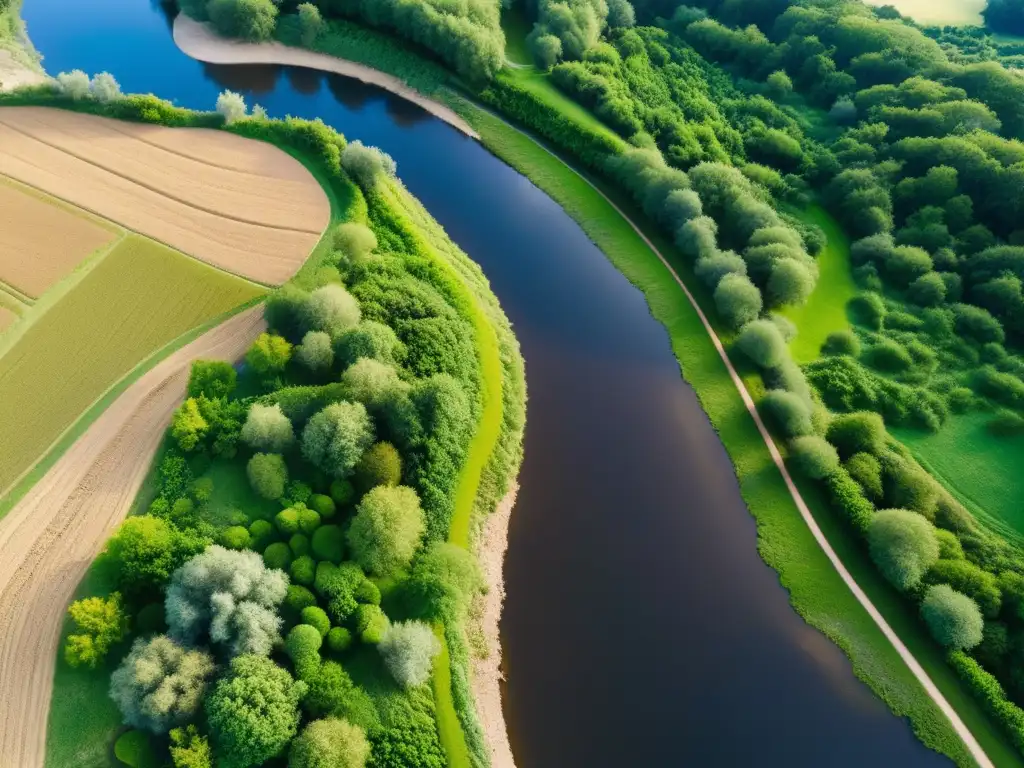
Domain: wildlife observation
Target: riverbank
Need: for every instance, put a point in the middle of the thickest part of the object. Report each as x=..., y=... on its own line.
x=19, y=63
x=197, y=40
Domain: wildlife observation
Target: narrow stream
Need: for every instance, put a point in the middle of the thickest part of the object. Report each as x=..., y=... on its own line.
x=641, y=627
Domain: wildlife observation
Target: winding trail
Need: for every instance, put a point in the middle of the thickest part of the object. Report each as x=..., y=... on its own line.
x=50, y=538
x=229, y=52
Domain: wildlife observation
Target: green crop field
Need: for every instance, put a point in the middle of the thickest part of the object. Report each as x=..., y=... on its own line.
x=825, y=310
x=139, y=298
x=982, y=470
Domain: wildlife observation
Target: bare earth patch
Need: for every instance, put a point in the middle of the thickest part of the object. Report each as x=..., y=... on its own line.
x=257, y=217
x=41, y=241
x=197, y=40
x=14, y=74
x=54, y=533
x=486, y=672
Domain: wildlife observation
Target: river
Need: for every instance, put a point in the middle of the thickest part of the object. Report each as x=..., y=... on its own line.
x=641, y=627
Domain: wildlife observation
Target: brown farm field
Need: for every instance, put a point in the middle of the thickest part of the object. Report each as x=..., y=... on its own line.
x=242, y=205
x=41, y=240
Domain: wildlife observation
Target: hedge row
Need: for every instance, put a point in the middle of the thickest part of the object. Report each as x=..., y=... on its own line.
x=989, y=692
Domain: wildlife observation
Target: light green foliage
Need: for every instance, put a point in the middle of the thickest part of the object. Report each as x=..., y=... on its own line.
x=331, y=743
x=903, y=546
x=371, y=340
x=738, y=300
x=269, y=354
x=99, y=624
x=789, y=411
x=371, y=382
x=267, y=429
x=232, y=596
x=212, y=378
x=761, y=341
x=865, y=469
x=368, y=592
x=252, y=20
x=230, y=105
x=188, y=427
x=815, y=457
x=338, y=585
x=408, y=649
x=332, y=693
x=367, y=165
x=316, y=618
x=336, y=437
x=791, y=282
x=969, y=579
x=287, y=520
x=303, y=647
x=267, y=474
x=371, y=623
x=862, y=432
x=146, y=551
x=354, y=241
x=160, y=684
x=323, y=505
x=315, y=352
x=236, y=537
x=332, y=310
x=546, y=50
x=328, y=543
x=953, y=618
x=309, y=520
x=387, y=529
x=253, y=712
x=380, y=465
x=339, y=639
x=779, y=85
x=190, y=749
x=311, y=24
x=443, y=582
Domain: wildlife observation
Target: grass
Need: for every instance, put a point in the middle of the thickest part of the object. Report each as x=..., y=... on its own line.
x=825, y=310
x=516, y=27
x=140, y=297
x=785, y=543
x=983, y=471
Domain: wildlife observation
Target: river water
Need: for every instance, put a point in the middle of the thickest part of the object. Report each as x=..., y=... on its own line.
x=641, y=628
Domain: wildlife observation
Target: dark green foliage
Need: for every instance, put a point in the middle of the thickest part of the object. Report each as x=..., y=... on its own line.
x=299, y=544
x=1004, y=388
x=846, y=496
x=380, y=465
x=888, y=356
x=841, y=343
x=865, y=469
x=332, y=692
x=988, y=690
x=261, y=535
x=303, y=570
x=267, y=474
x=277, y=555
x=322, y=505
x=1006, y=424
x=868, y=309
x=815, y=457
x=328, y=544
x=342, y=492
x=854, y=433
x=248, y=19
x=788, y=411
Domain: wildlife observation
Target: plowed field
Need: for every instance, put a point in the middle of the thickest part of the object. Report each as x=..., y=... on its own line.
x=242, y=205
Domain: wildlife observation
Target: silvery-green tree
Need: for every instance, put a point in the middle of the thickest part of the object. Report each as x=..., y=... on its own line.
x=267, y=429
x=336, y=437
x=408, y=649
x=160, y=684
x=231, y=596
x=74, y=84
x=231, y=105
x=332, y=309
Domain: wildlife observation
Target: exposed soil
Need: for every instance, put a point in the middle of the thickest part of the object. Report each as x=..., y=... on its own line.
x=49, y=539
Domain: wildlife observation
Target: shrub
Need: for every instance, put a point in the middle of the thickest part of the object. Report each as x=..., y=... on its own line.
x=298, y=493
x=865, y=469
x=311, y=24
x=267, y=429
x=316, y=617
x=339, y=639
x=267, y=474
x=977, y=324
x=336, y=437
x=252, y=20
x=367, y=165
x=889, y=356
x=380, y=465
x=212, y=378
x=987, y=689
x=190, y=749
x=861, y=432
x=342, y=492
x=1004, y=388
x=269, y=354
x=147, y=550
x=230, y=105
x=369, y=339
x=868, y=310
x=789, y=411
x=253, y=711
x=845, y=495
x=160, y=684
x=302, y=571
x=354, y=241
x=953, y=618
x=297, y=598
x=408, y=649
x=337, y=585
x=368, y=592
x=761, y=341
x=299, y=544
x=737, y=300
x=371, y=623
x=261, y=533
x=316, y=351
x=322, y=505
x=235, y=537
x=928, y=290
x=328, y=544
x=1006, y=424
x=968, y=579
x=903, y=546
x=791, y=282
x=814, y=456
x=309, y=520
x=303, y=647
x=332, y=309
x=331, y=742
x=277, y=555
x=99, y=624
x=386, y=530
x=443, y=582
x=711, y=269
x=74, y=84
x=841, y=343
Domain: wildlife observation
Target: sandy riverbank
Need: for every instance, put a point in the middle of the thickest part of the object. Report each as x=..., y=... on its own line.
x=486, y=672
x=14, y=74
x=198, y=41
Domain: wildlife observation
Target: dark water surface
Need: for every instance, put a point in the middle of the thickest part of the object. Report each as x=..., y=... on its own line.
x=641, y=627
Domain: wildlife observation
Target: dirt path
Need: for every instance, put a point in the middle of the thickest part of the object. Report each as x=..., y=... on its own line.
x=198, y=41
x=58, y=528
x=908, y=658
